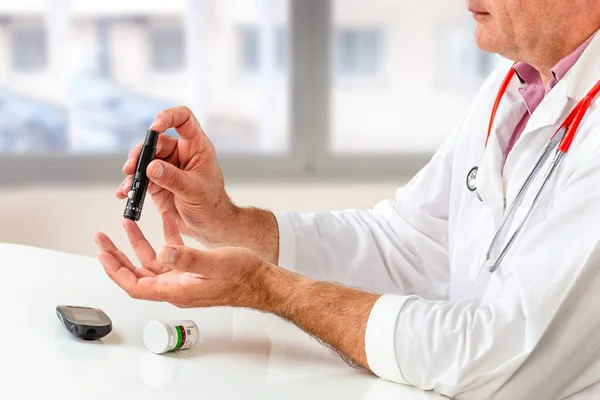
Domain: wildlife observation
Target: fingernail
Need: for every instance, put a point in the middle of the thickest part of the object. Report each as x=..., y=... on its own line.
x=156, y=122
x=127, y=163
x=158, y=171
x=127, y=186
x=170, y=254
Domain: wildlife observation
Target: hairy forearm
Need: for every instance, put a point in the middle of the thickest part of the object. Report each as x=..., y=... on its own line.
x=333, y=314
x=257, y=230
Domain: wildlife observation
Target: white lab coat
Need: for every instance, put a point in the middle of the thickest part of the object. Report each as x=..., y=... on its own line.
x=531, y=330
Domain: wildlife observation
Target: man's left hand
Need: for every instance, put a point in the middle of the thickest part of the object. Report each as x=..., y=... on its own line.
x=180, y=275
x=237, y=277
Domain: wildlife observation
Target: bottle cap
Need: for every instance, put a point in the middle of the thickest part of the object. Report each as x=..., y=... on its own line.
x=157, y=337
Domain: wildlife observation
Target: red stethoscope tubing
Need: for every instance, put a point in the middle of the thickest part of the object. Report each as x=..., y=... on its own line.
x=571, y=124
x=567, y=130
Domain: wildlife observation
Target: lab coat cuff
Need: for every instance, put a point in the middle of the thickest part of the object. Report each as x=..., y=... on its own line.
x=287, y=241
x=380, y=338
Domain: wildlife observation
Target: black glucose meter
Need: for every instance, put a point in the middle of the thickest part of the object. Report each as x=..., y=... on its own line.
x=85, y=322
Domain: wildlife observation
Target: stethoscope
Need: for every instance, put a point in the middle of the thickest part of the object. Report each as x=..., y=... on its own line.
x=560, y=141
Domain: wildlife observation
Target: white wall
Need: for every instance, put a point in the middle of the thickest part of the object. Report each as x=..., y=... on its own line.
x=393, y=112
x=66, y=219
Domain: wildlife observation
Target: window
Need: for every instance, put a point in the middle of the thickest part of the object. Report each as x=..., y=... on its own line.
x=30, y=121
x=167, y=48
x=460, y=65
x=282, y=48
x=29, y=52
x=251, y=47
x=433, y=68
x=123, y=63
x=486, y=64
x=282, y=87
x=359, y=51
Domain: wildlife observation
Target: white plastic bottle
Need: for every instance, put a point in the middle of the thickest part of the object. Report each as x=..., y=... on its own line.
x=163, y=337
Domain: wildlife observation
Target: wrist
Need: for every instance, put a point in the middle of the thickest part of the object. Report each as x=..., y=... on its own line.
x=257, y=230
x=277, y=288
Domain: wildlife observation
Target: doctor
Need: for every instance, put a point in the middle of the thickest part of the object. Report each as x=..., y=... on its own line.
x=481, y=278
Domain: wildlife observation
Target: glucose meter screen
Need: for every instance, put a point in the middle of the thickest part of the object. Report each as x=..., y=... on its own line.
x=90, y=316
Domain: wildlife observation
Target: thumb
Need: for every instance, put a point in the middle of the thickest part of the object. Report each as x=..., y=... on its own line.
x=187, y=259
x=171, y=178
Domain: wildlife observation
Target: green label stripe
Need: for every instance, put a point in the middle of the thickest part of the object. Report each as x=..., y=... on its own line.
x=179, y=330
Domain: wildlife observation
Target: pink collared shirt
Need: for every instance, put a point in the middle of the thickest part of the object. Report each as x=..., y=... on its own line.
x=533, y=90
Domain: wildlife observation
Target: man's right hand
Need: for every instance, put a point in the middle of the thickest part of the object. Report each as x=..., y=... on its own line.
x=186, y=180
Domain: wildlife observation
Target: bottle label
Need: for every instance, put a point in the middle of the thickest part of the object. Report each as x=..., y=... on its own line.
x=180, y=337
x=184, y=337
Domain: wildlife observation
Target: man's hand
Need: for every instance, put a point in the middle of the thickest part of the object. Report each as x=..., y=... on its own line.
x=186, y=180
x=180, y=275
x=237, y=277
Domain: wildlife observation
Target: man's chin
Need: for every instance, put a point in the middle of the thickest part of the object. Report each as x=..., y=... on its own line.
x=486, y=40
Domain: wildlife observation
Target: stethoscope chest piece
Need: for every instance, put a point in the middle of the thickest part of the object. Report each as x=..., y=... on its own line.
x=472, y=179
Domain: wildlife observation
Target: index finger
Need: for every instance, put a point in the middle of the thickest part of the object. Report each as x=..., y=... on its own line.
x=180, y=118
x=185, y=123
x=165, y=146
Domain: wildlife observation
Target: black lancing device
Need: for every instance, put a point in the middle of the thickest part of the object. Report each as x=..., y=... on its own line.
x=139, y=186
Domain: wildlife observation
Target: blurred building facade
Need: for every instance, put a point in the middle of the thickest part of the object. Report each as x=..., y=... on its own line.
x=88, y=76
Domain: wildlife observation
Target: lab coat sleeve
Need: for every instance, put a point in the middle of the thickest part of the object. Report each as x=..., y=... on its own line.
x=533, y=339
x=399, y=246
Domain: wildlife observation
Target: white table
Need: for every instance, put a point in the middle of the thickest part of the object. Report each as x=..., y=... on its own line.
x=241, y=355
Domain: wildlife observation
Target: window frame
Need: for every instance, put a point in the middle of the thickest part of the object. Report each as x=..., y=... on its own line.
x=174, y=65
x=281, y=51
x=20, y=28
x=248, y=34
x=358, y=32
x=309, y=158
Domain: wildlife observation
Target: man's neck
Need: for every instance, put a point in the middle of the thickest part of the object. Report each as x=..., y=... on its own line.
x=546, y=78
x=548, y=57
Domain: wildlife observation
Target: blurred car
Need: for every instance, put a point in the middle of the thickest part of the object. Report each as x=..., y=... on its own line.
x=107, y=117
x=31, y=125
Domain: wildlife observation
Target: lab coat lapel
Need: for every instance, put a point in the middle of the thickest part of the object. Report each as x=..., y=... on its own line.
x=586, y=73
x=553, y=111
x=489, y=177
x=550, y=113
x=575, y=85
